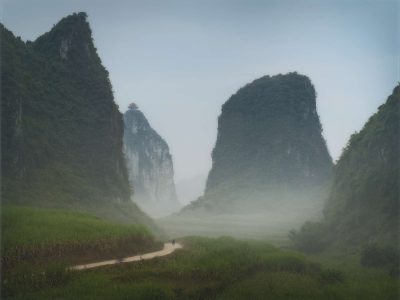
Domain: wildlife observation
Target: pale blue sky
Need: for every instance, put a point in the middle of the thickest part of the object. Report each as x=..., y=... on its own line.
x=181, y=60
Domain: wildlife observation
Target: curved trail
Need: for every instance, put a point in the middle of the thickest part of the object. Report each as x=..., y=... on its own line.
x=168, y=249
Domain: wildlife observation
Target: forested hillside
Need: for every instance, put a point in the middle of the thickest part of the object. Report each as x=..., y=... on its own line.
x=61, y=129
x=363, y=205
x=364, y=200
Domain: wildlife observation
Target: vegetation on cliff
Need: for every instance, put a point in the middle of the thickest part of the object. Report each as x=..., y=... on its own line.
x=363, y=205
x=269, y=147
x=61, y=133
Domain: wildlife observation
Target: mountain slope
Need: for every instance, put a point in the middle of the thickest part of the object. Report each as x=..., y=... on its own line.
x=364, y=200
x=61, y=129
x=363, y=206
x=149, y=164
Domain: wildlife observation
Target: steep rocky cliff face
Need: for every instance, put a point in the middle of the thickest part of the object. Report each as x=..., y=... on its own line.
x=149, y=164
x=364, y=201
x=269, y=150
x=61, y=129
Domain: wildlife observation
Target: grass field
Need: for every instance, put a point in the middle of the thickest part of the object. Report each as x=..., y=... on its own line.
x=25, y=226
x=222, y=268
x=37, y=241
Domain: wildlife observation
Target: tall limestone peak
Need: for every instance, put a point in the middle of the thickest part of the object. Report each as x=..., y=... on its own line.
x=69, y=40
x=269, y=146
x=62, y=132
x=150, y=165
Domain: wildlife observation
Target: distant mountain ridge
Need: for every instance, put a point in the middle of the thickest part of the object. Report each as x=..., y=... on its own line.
x=269, y=148
x=150, y=166
x=61, y=129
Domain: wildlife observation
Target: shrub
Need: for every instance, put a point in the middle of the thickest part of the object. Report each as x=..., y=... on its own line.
x=376, y=256
x=310, y=237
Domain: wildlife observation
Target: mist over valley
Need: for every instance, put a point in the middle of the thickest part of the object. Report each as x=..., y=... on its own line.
x=105, y=196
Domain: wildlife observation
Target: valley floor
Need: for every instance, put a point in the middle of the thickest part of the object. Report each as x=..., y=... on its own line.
x=206, y=268
x=272, y=226
x=222, y=268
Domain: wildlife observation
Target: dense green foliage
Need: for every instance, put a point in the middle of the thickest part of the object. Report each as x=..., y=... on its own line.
x=363, y=205
x=376, y=256
x=221, y=268
x=269, y=145
x=61, y=131
x=364, y=200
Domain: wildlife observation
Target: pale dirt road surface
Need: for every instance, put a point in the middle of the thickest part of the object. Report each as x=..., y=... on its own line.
x=168, y=249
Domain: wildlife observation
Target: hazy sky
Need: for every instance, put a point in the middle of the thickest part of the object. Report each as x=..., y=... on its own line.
x=181, y=60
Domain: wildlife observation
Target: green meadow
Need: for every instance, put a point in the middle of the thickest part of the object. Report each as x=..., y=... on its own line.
x=38, y=244
x=206, y=268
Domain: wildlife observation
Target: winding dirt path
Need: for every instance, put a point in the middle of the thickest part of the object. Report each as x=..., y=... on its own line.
x=168, y=249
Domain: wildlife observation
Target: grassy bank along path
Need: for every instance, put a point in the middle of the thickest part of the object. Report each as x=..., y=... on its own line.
x=168, y=249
